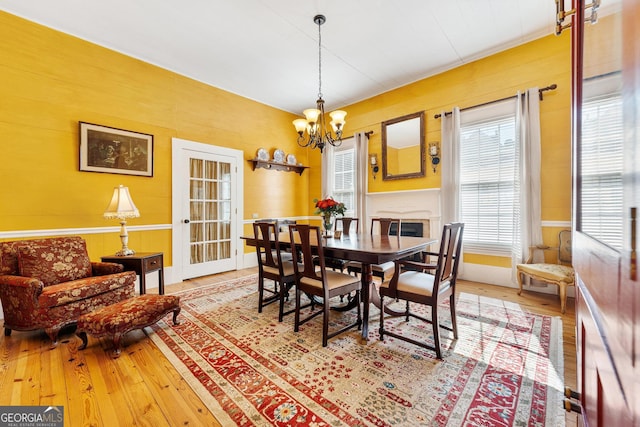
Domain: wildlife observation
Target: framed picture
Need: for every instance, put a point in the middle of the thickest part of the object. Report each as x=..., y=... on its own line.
x=111, y=150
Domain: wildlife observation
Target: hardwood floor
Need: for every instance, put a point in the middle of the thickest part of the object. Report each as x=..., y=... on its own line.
x=142, y=388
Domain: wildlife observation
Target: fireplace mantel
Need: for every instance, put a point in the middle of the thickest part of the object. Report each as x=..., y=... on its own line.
x=410, y=205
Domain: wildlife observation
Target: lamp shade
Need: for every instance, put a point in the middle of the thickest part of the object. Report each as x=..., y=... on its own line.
x=121, y=205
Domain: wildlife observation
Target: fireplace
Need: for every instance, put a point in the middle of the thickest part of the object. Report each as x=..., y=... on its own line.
x=415, y=208
x=410, y=228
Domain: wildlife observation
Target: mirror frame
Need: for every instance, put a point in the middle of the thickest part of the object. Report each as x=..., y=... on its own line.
x=423, y=152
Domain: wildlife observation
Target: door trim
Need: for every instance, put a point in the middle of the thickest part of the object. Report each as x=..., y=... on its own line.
x=177, y=172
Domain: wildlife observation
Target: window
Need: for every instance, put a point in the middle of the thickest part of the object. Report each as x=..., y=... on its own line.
x=344, y=177
x=601, y=200
x=489, y=183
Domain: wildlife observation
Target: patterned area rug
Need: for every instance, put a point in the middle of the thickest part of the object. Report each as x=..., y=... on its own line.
x=505, y=369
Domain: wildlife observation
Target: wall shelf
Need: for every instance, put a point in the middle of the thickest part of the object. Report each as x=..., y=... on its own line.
x=285, y=167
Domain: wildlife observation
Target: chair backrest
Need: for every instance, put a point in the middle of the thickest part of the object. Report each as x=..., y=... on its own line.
x=346, y=223
x=267, y=244
x=564, y=247
x=304, y=237
x=449, y=254
x=385, y=225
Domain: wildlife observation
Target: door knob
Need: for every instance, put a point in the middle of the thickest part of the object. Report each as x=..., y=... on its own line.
x=186, y=221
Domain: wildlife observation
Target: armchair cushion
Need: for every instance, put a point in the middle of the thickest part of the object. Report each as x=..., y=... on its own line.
x=549, y=272
x=54, y=264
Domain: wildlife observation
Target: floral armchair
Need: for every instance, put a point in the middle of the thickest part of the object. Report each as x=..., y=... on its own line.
x=48, y=283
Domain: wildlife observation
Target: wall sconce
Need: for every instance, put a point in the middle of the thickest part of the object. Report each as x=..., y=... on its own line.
x=373, y=161
x=434, y=152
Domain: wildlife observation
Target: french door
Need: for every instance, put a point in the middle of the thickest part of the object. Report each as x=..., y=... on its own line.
x=207, y=196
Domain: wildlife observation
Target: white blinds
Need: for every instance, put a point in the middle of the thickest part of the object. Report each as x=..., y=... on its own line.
x=488, y=181
x=601, y=169
x=344, y=178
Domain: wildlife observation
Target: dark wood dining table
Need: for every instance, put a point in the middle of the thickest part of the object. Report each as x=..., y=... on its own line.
x=366, y=249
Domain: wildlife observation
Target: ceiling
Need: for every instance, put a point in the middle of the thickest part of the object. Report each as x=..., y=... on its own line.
x=267, y=50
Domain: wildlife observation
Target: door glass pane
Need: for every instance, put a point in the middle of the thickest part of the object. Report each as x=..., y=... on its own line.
x=600, y=183
x=210, y=193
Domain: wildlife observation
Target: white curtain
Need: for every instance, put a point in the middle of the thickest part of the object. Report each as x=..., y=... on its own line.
x=450, y=164
x=362, y=155
x=327, y=171
x=529, y=228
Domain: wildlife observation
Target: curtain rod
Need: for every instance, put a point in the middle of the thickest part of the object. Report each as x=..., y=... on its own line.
x=368, y=133
x=540, y=91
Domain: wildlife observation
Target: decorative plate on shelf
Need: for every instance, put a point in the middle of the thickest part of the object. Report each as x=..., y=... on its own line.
x=262, y=154
x=278, y=156
x=291, y=159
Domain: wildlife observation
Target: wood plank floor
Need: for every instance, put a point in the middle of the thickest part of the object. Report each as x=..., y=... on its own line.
x=142, y=388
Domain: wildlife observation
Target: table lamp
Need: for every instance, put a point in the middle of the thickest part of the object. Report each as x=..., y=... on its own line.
x=122, y=207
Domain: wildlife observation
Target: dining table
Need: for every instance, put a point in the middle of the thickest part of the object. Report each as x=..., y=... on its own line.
x=367, y=249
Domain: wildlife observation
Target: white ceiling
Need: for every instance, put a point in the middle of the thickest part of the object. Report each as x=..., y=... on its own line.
x=267, y=50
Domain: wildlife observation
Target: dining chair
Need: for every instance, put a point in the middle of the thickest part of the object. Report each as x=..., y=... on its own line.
x=347, y=225
x=383, y=227
x=427, y=289
x=561, y=273
x=319, y=282
x=272, y=266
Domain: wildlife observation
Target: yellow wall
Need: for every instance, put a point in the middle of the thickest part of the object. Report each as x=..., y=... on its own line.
x=51, y=81
x=539, y=63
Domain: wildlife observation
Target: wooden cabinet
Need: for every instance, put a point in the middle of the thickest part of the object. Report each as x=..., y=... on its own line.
x=606, y=64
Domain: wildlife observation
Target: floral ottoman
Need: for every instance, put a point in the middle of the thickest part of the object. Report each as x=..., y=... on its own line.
x=114, y=321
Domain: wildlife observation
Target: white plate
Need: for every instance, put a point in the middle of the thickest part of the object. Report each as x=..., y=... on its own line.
x=278, y=156
x=262, y=154
x=291, y=159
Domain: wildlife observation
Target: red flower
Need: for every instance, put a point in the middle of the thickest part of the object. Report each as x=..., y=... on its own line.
x=329, y=206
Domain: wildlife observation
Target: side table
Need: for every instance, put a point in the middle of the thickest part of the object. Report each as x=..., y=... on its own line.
x=142, y=263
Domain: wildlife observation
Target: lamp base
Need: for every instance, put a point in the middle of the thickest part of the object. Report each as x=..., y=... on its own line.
x=125, y=252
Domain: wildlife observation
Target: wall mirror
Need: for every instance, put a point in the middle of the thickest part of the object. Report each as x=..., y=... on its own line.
x=403, y=147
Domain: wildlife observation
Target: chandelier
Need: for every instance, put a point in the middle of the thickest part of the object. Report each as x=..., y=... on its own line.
x=314, y=123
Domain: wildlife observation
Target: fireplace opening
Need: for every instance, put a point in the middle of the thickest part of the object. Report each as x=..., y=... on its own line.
x=413, y=229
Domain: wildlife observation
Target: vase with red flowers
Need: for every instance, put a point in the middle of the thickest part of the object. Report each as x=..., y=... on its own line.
x=329, y=208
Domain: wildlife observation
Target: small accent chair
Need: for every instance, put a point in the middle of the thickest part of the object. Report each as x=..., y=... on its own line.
x=560, y=274
x=428, y=289
x=322, y=282
x=383, y=271
x=272, y=266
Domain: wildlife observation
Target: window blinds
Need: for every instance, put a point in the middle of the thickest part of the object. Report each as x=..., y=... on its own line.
x=601, y=154
x=488, y=183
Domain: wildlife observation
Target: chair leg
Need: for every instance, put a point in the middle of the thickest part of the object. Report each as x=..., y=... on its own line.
x=563, y=296
x=7, y=332
x=325, y=324
x=454, y=323
x=358, y=299
x=381, y=329
x=519, y=277
x=260, y=293
x=296, y=321
x=436, y=330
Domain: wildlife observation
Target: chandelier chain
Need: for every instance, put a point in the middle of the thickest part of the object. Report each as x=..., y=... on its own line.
x=319, y=60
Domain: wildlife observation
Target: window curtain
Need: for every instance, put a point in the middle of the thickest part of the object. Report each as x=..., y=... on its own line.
x=328, y=157
x=529, y=229
x=362, y=154
x=450, y=167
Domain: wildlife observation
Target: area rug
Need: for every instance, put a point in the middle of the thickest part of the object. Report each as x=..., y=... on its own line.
x=505, y=368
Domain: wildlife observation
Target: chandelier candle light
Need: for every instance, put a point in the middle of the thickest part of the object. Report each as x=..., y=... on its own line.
x=329, y=208
x=122, y=207
x=314, y=124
